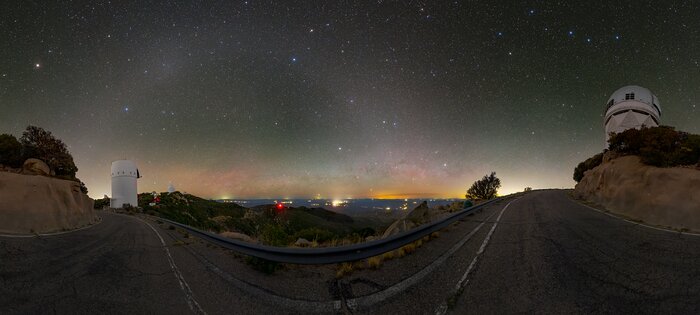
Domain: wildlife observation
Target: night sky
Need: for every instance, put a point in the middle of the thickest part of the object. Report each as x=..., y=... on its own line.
x=241, y=99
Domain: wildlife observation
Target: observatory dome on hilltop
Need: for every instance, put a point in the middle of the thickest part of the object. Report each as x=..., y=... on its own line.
x=631, y=107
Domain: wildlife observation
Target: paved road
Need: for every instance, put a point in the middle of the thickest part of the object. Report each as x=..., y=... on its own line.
x=541, y=253
x=551, y=255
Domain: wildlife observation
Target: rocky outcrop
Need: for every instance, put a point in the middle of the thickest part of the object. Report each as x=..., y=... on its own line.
x=35, y=167
x=659, y=196
x=419, y=215
x=237, y=236
x=39, y=204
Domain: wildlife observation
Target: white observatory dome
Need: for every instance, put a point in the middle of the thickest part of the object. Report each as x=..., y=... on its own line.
x=124, y=190
x=631, y=107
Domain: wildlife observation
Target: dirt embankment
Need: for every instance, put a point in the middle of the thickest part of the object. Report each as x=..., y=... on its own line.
x=659, y=196
x=40, y=204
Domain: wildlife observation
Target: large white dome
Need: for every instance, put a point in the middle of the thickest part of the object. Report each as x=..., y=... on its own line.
x=637, y=93
x=629, y=107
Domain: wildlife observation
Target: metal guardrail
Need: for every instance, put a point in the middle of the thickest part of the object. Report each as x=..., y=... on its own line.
x=330, y=255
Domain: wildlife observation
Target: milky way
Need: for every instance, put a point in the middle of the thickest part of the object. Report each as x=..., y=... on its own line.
x=339, y=99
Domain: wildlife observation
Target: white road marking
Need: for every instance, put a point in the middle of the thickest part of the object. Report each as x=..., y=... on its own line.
x=442, y=308
x=194, y=306
x=481, y=249
x=372, y=299
x=637, y=223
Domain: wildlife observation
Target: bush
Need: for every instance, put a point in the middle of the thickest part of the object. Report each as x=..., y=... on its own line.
x=659, y=146
x=485, y=188
x=263, y=265
x=10, y=151
x=274, y=235
x=101, y=203
x=41, y=144
x=587, y=165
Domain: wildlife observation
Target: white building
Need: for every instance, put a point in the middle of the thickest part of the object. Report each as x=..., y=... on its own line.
x=631, y=107
x=124, y=177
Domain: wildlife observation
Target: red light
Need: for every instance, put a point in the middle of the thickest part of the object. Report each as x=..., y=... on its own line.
x=280, y=206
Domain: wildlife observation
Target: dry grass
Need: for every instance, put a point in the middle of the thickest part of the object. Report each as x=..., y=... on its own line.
x=388, y=255
x=409, y=248
x=434, y=235
x=400, y=252
x=344, y=269
x=374, y=262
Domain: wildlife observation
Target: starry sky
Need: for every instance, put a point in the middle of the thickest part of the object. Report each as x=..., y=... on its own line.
x=384, y=99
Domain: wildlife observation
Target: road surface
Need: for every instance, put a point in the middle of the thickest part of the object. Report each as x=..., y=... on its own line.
x=539, y=253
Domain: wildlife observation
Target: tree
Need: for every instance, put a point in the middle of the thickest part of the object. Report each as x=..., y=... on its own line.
x=41, y=144
x=586, y=165
x=485, y=188
x=10, y=151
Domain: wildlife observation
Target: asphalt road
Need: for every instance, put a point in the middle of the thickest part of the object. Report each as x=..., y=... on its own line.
x=540, y=253
x=551, y=255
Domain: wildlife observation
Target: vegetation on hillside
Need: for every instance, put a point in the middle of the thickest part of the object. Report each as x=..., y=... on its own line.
x=39, y=143
x=269, y=224
x=586, y=165
x=485, y=188
x=661, y=146
x=10, y=151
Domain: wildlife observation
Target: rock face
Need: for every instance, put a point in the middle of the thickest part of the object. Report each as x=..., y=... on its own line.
x=35, y=167
x=658, y=196
x=419, y=215
x=39, y=204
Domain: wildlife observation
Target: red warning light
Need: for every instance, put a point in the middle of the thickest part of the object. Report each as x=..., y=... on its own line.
x=280, y=207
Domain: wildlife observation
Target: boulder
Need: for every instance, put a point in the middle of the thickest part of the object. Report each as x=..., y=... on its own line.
x=302, y=242
x=237, y=236
x=658, y=196
x=419, y=215
x=35, y=167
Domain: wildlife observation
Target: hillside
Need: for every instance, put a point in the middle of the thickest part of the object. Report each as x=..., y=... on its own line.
x=650, y=175
x=267, y=224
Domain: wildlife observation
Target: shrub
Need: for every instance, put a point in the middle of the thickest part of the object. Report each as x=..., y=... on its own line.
x=587, y=165
x=274, y=235
x=101, y=203
x=374, y=262
x=263, y=265
x=485, y=188
x=409, y=248
x=10, y=151
x=344, y=269
x=659, y=146
x=528, y=189
x=41, y=144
